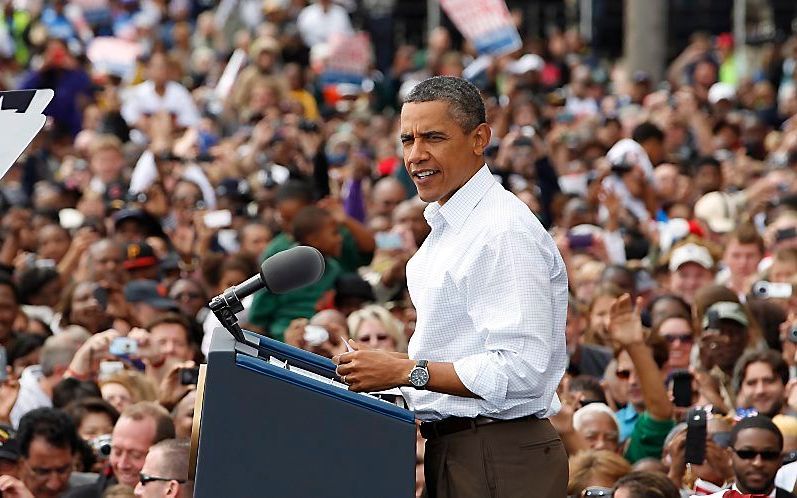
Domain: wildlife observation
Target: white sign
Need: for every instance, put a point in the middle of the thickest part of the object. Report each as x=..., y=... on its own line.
x=485, y=23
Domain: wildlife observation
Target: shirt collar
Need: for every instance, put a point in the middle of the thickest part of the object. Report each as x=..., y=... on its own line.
x=457, y=209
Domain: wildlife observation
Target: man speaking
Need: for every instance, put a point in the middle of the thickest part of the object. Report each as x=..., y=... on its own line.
x=490, y=289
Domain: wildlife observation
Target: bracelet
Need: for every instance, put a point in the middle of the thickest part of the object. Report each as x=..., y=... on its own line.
x=81, y=377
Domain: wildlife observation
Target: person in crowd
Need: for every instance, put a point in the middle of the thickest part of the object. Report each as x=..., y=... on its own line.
x=165, y=471
x=139, y=427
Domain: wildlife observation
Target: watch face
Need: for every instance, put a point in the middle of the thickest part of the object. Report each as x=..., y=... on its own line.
x=419, y=377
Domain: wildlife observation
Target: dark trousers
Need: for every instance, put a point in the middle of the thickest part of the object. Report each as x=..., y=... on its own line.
x=513, y=459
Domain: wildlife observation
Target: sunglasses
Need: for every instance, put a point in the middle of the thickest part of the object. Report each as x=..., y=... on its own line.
x=379, y=337
x=145, y=479
x=768, y=455
x=623, y=374
x=684, y=338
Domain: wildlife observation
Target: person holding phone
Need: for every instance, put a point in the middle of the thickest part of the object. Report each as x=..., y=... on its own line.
x=490, y=291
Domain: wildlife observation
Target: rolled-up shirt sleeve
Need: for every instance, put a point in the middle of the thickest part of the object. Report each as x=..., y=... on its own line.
x=511, y=302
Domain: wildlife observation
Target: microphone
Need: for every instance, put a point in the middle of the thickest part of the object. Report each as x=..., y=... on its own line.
x=283, y=272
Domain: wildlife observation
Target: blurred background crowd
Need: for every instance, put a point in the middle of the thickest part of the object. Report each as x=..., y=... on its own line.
x=189, y=140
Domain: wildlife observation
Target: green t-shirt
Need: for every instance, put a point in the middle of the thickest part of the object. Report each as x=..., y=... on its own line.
x=274, y=312
x=351, y=259
x=647, y=438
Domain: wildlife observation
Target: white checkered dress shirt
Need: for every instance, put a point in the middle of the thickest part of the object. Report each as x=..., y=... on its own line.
x=490, y=289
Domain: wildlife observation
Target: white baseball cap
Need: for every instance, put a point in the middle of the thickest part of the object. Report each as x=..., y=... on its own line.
x=691, y=253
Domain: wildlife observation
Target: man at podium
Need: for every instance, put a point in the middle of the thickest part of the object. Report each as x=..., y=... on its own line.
x=490, y=289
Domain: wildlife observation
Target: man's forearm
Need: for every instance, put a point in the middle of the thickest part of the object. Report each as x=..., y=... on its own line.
x=657, y=402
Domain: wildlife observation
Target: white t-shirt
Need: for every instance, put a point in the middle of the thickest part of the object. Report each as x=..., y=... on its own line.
x=31, y=395
x=316, y=25
x=142, y=100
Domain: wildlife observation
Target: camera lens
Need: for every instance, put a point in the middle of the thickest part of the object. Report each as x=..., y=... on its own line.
x=793, y=334
x=105, y=449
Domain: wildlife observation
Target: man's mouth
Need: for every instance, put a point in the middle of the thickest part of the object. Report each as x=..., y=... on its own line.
x=424, y=173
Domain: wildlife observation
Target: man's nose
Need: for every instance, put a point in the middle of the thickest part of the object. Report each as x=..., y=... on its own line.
x=418, y=153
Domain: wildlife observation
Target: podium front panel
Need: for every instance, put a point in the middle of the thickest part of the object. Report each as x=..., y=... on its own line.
x=266, y=431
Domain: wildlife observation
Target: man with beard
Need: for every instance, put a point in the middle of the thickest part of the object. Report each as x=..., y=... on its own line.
x=756, y=445
x=759, y=380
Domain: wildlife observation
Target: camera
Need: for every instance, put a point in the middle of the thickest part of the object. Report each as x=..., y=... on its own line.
x=189, y=376
x=768, y=290
x=101, y=446
x=791, y=336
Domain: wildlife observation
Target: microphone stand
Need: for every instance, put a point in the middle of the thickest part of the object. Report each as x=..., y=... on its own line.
x=225, y=306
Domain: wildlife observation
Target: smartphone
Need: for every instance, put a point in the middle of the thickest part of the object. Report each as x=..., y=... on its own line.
x=101, y=295
x=123, y=346
x=696, y=430
x=682, y=388
x=579, y=241
x=189, y=376
x=767, y=290
x=108, y=368
x=388, y=241
x=3, y=364
x=218, y=219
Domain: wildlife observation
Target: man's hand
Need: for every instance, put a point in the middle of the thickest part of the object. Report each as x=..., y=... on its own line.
x=367, y=371
x=11, y=487
x=171, y=390
x=625, y=324
x=87, y=359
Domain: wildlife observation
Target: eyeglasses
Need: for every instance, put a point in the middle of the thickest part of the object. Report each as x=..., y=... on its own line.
x=684, y=338
x=768, y=455
x=44, y=473
x=145, y=479
x=623, y=374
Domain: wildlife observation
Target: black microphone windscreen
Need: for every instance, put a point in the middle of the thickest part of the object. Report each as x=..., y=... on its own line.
x=292, y=269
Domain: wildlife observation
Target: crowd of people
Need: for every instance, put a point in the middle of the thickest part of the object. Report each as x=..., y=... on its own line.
x=152, y=189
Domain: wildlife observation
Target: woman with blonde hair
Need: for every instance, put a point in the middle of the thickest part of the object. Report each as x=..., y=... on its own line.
x=599, y=468
x=376, y=327
x=127, y=387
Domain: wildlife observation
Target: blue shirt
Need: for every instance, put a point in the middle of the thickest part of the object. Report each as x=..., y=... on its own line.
x=627, y=418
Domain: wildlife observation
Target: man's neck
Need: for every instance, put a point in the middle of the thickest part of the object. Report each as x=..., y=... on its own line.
x=744, y=490
x=47, y=384
x=160, y=88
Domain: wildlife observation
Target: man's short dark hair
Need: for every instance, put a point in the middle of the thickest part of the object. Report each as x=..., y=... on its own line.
x=308, y=221
x=588, y=384
x=51, y=424
x=770, y=357
x=294, y=190
x=756, y=422
x=172, y=319
x=707, y=161
x=647, y=131
x=465, y=104
x=70, y=389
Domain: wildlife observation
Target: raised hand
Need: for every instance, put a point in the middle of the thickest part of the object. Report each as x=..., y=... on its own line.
x=625, y=324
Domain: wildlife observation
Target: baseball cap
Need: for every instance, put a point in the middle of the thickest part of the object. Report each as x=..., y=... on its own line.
x=149, y=292
x=717, y=211
x=9, y=449
x=721, y=91
x=690, y=253
x=726, y=310
x=139, y=255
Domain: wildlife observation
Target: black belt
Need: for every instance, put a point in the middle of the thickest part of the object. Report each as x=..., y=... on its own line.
x=451, y=425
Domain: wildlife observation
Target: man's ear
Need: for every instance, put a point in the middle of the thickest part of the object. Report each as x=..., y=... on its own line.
x=481, y=138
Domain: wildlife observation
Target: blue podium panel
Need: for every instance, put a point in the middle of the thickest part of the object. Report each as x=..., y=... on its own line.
x=268, y=429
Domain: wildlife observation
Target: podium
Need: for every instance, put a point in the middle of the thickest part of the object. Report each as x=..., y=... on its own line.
x=272, y=421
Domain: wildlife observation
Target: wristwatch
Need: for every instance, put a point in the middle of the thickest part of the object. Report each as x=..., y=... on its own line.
x=419, y=375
